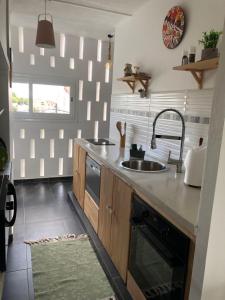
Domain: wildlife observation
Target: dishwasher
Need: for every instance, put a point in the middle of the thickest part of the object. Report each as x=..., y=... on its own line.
x=93, y=179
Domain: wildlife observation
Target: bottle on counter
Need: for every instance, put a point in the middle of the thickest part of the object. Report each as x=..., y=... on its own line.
x=192, y=54
x=185, y=58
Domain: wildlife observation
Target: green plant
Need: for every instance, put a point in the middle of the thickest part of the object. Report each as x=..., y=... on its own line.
x=210, y=39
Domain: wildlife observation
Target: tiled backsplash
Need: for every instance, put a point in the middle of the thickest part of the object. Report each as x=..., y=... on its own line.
x=139, y=114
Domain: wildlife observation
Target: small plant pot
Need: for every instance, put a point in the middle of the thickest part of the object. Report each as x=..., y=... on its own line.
x=209, y=53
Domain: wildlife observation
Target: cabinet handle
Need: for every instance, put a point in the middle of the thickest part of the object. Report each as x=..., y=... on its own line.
x=109, y=208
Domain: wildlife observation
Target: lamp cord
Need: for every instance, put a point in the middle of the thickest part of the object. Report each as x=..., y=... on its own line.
x=45, y=9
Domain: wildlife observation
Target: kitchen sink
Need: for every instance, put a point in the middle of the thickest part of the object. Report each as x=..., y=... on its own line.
x=147, y=166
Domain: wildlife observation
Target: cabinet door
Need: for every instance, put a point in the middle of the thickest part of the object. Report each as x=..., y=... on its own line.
x=120, y=227
x=91, y=210
x=105, y=207
x=76, y=177
x=79, y=173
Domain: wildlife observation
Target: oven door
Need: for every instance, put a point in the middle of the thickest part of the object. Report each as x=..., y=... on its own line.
x=158, y=272
x=93, y=178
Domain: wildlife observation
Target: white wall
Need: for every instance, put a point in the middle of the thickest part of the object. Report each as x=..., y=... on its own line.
x=4, y=99
x=138, y=40
x=61, y=74
x=208, y=280
x=3, y=25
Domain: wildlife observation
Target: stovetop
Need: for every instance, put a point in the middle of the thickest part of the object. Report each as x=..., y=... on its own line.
x=100, y=142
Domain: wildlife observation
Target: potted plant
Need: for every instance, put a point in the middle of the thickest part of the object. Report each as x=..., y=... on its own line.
x=209, y=41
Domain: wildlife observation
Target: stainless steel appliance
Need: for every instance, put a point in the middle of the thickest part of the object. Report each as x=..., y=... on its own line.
x=100, y=142
x=158, y=254
x=93, y=179
x=8, y=210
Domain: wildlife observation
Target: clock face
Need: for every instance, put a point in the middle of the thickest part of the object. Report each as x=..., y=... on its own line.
x=173, y=27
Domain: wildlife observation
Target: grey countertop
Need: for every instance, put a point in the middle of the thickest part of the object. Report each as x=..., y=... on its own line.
x=165, y=191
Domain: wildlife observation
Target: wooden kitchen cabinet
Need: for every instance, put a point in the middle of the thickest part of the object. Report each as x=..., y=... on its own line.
x=79, y=173
x=91, y=210
x=105, y=208
x=114, y=217
x=120, y=227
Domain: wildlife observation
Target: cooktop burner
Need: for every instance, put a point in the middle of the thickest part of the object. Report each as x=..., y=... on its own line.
x=100, y=142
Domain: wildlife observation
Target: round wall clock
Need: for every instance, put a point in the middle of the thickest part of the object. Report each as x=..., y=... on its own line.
x=173, y=27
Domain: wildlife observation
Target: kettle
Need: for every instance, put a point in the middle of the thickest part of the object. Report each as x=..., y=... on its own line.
x=194, y=165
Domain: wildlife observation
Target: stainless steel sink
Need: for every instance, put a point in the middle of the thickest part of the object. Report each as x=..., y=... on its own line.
x=147, y=166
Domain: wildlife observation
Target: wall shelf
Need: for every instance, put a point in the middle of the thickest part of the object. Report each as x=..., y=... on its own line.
x=134, y=79
x=198, y=68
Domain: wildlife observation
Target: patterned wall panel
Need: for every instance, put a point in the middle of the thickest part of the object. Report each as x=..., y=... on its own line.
x=139, y=114
x=35, y=156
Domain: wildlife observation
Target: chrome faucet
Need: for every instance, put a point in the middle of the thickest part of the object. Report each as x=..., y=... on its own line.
x=181, y=138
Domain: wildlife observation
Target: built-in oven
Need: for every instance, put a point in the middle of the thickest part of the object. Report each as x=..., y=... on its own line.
x=158, y=254
x=93, y=179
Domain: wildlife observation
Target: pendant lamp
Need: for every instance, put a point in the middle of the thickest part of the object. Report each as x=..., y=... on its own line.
x=109, y=61
x=45, y=33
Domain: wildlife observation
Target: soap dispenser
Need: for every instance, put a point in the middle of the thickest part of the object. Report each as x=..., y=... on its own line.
x=194, y=165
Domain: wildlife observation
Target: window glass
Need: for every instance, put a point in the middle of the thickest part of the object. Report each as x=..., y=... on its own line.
x=20, y=97
x=51, y=99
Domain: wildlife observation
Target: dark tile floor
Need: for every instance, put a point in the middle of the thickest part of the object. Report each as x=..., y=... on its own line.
x=45, y=210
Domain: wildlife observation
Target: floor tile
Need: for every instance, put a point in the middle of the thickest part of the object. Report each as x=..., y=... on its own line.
x=74, y=226
x=39, y=230
x=47, y=212
x=30, y=284
x=16, y=286
x=37, y=194
x=16, y=259
x=20, y=218
x=28, y=254
x=18, y=233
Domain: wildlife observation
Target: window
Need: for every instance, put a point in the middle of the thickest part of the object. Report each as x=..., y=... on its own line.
x=53, y=99
x=35, y=99
x=20, y=97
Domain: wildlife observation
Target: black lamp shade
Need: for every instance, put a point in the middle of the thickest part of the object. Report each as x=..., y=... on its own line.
x=45, y=34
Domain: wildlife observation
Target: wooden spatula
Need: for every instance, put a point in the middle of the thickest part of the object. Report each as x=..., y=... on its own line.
x=122, y=134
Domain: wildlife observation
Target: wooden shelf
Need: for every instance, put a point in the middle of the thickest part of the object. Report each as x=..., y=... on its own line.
x=133, y=79
x=198, y=68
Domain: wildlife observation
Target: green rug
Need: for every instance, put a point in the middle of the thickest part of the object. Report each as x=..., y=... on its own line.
x=67, y=268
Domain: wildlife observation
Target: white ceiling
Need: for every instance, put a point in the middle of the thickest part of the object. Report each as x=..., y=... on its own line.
x=75, y=20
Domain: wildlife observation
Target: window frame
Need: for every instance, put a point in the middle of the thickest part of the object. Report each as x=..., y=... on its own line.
x=46, y=81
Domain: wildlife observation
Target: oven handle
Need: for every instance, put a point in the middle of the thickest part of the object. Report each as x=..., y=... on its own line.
x=94, y=169
x=12, y=205
x=159, y=250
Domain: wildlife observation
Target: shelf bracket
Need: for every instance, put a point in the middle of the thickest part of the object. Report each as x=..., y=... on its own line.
x=144, y=83
x=132, y=85
x=198, y=76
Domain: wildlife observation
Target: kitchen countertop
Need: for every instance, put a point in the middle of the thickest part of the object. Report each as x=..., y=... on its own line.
x=164, y=191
